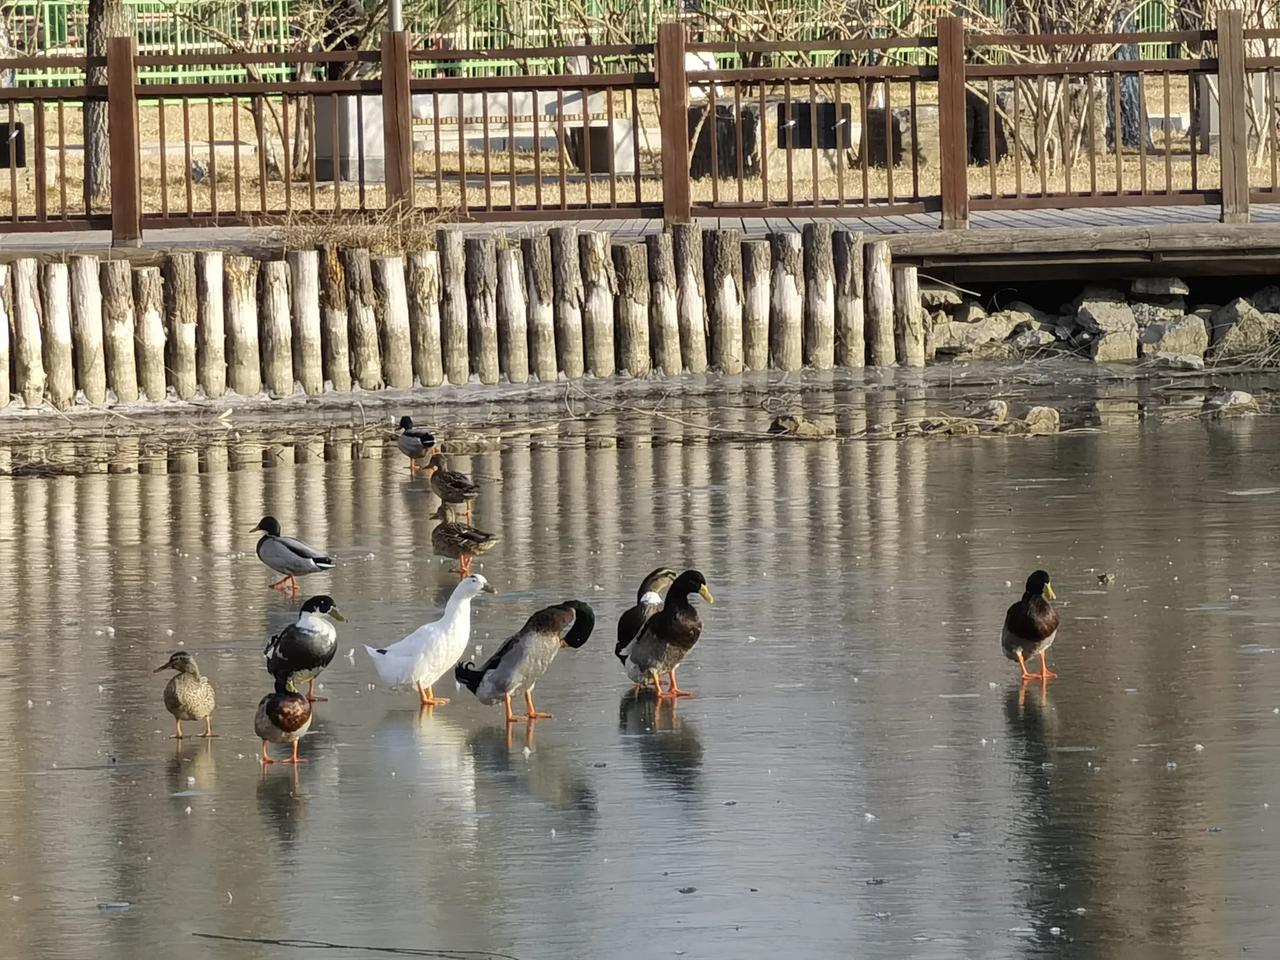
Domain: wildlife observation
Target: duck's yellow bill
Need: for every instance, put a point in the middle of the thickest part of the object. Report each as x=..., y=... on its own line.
x=334, y=614
x=706, y=594
x=1048, y=591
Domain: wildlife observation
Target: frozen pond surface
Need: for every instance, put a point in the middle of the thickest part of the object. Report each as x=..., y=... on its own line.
x=860, y=775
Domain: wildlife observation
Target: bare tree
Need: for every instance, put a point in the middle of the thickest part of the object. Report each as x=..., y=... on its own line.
x=107, y=18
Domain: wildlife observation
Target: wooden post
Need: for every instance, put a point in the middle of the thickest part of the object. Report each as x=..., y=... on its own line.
x=513, y=331
x=60, y=385
x=393, y=321
x=240, y=283
x=397, y=120
x=334, y=320
x=819, y=297
x=567, y=296
x=117, y=322
x=5, y=325
x=211, y=341
x=180, y=307
x=755, y=304
x=366, y=361
x=424, y=316
x=599, y=287
x=851, y=347
x=277, y=328
x=304, y=315
x=673, y=118
x=148, y=331
x=664, y=324
x=723, y=269
x=453, y=304
x=786, y=304
x=28, y=352
x=539, y=294
x=482, y=298
x=953, y=128
x=691, y=295
x=86, y=327
x=1233, y=105
x=879, y=277
x=908, y=317
x=632, y=307
x=123, y=150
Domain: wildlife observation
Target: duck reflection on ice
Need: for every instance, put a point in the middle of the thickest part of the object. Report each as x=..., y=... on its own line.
x=426, y=747
x=282, y=804
x=1030, y=719
x=191, y=768
x=545, y=774
x=669, y=747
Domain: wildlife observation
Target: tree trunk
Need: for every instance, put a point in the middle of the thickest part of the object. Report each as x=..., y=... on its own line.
x=106, y=18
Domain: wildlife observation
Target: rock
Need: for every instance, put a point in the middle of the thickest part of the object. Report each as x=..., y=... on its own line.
x=962, y=428
x=1267, y=299
x=1031, y=340
x=803, y=427
x=1043, y=420
x=1186, y=335
x=1158, y=287
x=969, y=312
x=1175, y=361
x=1044, y=317
x=1230, y=403
x=1106, y=311
x=1112, y=347
x=1239, y=329
x=932, y=297
x=996, y=411
x=959, y=337
x=1145, y=312
x=1206, y=310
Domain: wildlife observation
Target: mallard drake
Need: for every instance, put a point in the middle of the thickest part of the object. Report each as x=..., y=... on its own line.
x=520, y=662
x=459, y=541
x=415, y=443
x=282, y=717
x=1031, y=625
x=288, y=556
x=303, y=649
x=668, y=636
x=450, y=485
x=648, y=602
x=422, y=658
x=188, y=695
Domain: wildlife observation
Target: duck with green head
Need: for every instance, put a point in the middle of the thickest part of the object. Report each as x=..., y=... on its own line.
x=415, y=443
x=668, y=636
x=1031, y=626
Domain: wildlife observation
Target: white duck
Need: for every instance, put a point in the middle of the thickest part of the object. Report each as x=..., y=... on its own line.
x=425, y=655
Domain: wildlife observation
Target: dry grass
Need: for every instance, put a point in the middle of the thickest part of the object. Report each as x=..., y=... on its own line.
x=381, y=232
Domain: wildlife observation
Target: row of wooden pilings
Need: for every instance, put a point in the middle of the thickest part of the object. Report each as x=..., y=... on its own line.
x=564, y=303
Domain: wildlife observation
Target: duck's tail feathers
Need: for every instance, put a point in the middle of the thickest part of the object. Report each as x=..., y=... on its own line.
x=387, y=670
x=323, y=563
x=469, y=675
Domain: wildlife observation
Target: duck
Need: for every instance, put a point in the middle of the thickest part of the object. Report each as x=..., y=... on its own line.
x=303, y=649
x=451, y=486
x=288, y=556
x=282, y=717
x=668, y=636
x=648, y=602
x=421, y=658
x=459, y=541
x=188, y=695
x=415, y=443
x=520, y=662
x=1031, y=626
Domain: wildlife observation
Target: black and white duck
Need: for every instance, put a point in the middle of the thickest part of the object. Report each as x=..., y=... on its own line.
x=303, y=649
x=282, y=717
x=188, y=695
x=1031, y=626
x=668, y=636
x=288, y=556
x=451, y=486
x=415, y=443
x=521, y=662
x=648, y=602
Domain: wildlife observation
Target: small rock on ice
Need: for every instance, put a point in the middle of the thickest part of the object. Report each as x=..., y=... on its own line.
x=1199, y=748
x=869, y=817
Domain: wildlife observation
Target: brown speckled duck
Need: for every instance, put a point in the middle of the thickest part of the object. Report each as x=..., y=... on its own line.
x=459, y=541
x=451, y=486
x=188, y=695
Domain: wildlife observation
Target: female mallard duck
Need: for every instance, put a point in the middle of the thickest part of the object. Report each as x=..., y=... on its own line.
x=415, y=443
x=303, y=649
x=520, y=662
x=648, y=602
x=459, y=541
x=666, y=639
x=282, y=717
x=1031, y=625
x=422, y=658
x=188, y=695
x=288, y=556
x=450, y=485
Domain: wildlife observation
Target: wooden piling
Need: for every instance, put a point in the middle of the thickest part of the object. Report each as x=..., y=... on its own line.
x=632, y=307
x=181, y=312
x=879, y=310
x=86, y=327
x=851, y=346
x=240, y=283
x=5, y=325
x=366, y=359
x=819, y=296
x=334, y=321
x=28, y=354
x=424, y=316
x=755, y=304
x=723, y=268
x=567, y=295
x=539, y=295
x=664, y=312
x=482, y=299
x=211, y=356
x=393, y=321
x=786, y=304
x=148, y=331
x=908, y=317
x=277, y=327
x=60, y=381
x=304, y=318
x=453, y=304
x=118, y=323
x=513, y=333
x=600, y=287
x=691, y=295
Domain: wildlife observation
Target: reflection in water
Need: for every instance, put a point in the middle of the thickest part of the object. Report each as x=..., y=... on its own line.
x=668, y=745
x=516, y=760
x=282, y=804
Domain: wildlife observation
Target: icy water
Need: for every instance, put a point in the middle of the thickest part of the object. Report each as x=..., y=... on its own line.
x=861, y=773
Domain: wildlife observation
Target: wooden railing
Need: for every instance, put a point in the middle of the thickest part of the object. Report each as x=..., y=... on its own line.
x=948, y=124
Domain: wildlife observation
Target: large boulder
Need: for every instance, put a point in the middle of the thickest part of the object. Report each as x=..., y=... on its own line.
x=1115, y=346
x=961, y=337
x=1105, y=311
x=1043, y=420
x=1158, y=287
x=1230, y=403
x=1186, y=335
x=1030, y=341
x=1146, y=312
x=1267, y=299
x=934, y=296
x=969, y=312
x=1175, y=361
x=1239, y=330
